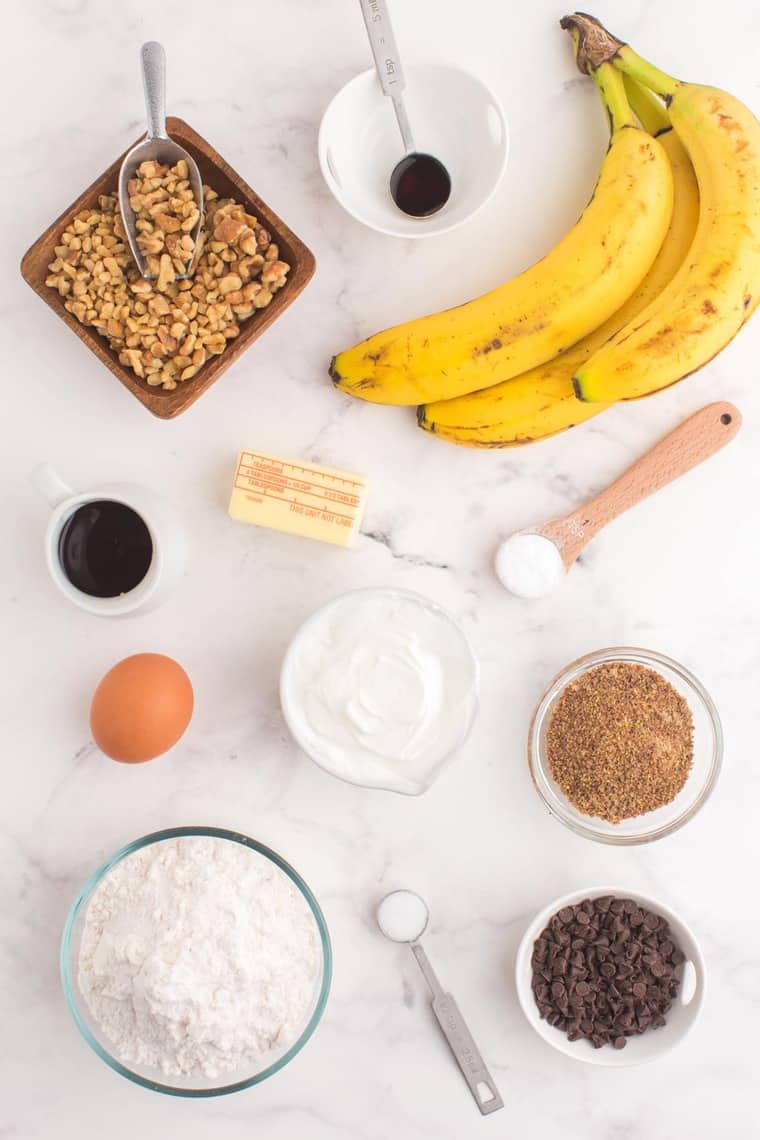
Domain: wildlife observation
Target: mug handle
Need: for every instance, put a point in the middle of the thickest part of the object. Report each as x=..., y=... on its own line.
x=50, y=485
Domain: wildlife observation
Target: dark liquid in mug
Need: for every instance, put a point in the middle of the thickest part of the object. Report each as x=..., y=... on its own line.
x=420, y=185
x=105, y=549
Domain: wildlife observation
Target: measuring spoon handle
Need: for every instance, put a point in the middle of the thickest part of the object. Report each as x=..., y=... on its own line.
x=154, y=82
x=465, y=1050
x=383, y=43
x=693, y=441
x=460, y=1039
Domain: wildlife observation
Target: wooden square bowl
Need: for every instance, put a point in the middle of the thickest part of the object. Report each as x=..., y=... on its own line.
x=228, y=184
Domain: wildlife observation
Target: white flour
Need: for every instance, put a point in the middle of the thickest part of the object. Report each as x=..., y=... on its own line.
x=198, y=955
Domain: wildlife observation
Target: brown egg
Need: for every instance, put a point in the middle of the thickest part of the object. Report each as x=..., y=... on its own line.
x=141, y=708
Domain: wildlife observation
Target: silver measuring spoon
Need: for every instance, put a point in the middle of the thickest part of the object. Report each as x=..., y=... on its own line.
x=403, y=917
x=157, y=147
x=420, y=184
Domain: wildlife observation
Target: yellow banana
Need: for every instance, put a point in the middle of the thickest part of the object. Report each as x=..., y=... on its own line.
x=542, y=401
x=718, y=286
x=537, y=314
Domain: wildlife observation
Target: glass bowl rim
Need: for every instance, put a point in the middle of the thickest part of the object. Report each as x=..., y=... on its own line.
x=311, y=620
x=637, y=656
x=70, y=989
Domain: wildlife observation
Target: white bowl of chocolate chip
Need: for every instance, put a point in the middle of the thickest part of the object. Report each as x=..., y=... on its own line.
x=610, y=976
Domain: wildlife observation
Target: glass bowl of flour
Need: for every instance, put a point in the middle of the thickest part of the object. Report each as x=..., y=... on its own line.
x=196, y=962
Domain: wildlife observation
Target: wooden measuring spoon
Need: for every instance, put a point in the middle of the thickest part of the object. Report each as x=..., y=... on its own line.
x=693, y=441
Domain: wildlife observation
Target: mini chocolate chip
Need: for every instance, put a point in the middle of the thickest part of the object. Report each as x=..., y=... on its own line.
x=620, y=1043
x=609, y=969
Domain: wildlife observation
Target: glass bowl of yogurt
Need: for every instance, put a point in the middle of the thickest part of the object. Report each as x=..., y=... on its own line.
x=380, y=688
x=196, y=962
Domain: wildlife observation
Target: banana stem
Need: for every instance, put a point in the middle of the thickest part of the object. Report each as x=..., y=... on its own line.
x=595, y=46
x=645, y=73
x=647, y=107
x=612, y=89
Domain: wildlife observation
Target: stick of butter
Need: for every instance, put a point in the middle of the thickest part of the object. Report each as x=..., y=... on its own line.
x=297, y=497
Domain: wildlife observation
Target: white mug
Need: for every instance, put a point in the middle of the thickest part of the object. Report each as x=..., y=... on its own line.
x=166, y=534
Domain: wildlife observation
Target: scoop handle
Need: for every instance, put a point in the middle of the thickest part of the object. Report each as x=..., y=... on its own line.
x=153, y=59
x=383, y=43
x=693, y=441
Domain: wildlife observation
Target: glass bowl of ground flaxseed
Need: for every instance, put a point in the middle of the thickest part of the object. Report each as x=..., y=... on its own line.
x=625, y=746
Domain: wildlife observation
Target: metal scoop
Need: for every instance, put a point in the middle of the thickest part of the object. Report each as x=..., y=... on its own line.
x=159, y=148
x=403, y=917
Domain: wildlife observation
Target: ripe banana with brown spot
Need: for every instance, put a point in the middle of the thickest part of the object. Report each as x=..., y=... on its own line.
x=718, y=286
x=550, y=306
x=542, y=401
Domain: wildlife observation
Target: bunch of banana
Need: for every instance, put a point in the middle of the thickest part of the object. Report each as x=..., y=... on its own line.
x=718, y=285
x=532, y=318
x=542, y=401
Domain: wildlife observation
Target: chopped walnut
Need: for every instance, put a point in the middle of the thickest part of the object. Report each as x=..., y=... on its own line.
x=166, y=329
x=166, y=213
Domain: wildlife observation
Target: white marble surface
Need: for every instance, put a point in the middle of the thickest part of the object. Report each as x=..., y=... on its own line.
x=679, y=575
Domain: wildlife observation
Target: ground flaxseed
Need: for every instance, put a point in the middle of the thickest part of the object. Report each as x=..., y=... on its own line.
x=620, y=741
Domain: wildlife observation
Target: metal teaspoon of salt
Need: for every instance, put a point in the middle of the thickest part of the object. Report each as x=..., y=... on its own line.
x=403, y=917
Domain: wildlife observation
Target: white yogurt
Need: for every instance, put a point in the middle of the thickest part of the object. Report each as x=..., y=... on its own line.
x=380, y=687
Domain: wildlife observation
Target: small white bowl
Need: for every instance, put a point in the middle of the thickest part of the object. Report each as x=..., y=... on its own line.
x=466, y=697
x=646, y=1046
x=454, y=117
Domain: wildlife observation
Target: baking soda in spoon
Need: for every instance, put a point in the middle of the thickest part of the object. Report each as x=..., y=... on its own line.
x=531, y=563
